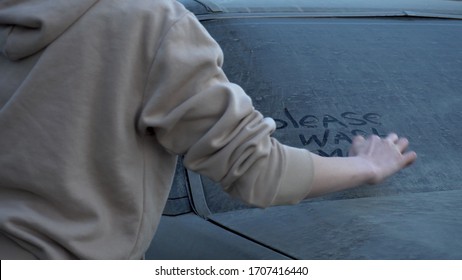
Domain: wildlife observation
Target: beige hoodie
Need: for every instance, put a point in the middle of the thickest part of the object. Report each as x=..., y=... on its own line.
x=96, y=100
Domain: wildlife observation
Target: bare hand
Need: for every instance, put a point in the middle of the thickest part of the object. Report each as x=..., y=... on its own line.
x=385, y=156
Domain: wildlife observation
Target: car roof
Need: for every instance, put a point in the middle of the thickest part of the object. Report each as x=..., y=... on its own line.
x=436, y=8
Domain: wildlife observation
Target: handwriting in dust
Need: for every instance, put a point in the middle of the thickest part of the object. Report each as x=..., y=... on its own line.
x=329, y=134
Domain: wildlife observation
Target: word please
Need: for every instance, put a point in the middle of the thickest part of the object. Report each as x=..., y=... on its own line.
x=346, y=119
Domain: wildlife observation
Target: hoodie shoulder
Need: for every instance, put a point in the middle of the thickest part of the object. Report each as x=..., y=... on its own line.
x=35, y=24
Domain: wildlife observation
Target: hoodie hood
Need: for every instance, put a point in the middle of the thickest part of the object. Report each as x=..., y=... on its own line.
x=28, y=26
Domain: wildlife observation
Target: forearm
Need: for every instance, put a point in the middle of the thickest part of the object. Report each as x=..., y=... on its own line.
x=332, y=174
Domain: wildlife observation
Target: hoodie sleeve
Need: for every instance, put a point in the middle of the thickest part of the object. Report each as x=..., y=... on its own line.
x=193, y=110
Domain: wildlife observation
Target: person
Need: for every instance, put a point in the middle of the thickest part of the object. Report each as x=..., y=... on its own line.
x=98, y=98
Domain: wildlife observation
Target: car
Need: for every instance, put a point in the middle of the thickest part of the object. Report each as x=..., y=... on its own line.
x=326, y=71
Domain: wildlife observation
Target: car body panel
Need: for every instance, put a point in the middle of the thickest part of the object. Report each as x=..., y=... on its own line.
x=189, y=236
x=411, y=226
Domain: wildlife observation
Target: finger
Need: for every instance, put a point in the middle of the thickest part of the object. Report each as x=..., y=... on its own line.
x=408, y=158
x=402, y=144
x=374, y=138
x=359, y=139
x=392, y=137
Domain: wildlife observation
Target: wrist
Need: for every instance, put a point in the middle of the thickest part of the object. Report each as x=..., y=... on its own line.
x=366, y=171
x=334, y=174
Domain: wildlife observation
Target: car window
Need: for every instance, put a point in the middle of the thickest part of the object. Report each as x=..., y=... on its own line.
x=325, y=81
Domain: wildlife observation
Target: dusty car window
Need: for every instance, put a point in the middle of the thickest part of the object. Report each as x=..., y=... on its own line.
x=326, y=81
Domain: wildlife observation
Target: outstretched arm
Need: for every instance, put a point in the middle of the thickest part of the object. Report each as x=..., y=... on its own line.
x=214, y=124
x=371, y=161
